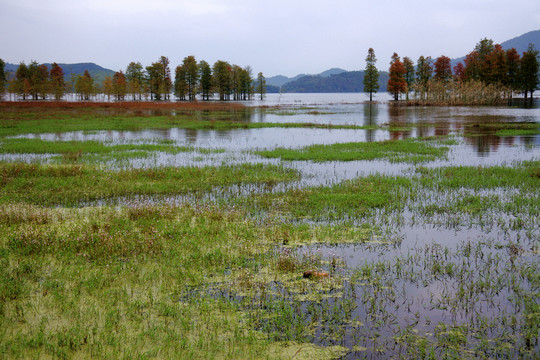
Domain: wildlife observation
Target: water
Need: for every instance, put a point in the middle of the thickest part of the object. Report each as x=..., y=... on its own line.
x=477, y=147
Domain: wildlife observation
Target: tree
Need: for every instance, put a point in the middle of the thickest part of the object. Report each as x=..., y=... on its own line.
x=191, y=69
x=180, y=83
x=529, y=70
x=261, y=84
x=459, y=72
x=443, y=69
x=22, y=83
x=472, y=66
x=246, y=83
x=166, y=81
x=3, y=78
x=107, y=86
x=513, y=61
x=38, y=77
x=409, y=73
x=119, y=85
x=396, y=81
x=84, y=85
x=155, y=80
x=222, y=79
x=424, y=70
x=496, y=67
x=135, y=79
x=371, y=75
x=58, y=85
x=205, y=76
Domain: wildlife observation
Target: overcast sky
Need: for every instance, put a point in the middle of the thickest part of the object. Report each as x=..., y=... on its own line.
x=285, y=37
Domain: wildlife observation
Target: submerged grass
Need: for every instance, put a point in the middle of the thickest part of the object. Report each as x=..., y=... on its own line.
x=409, y=150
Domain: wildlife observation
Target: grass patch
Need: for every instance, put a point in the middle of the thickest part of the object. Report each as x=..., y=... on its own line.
x=352, y=199
x=38, y=146
x=393, y=150
x=524, y=176
x=68, y=185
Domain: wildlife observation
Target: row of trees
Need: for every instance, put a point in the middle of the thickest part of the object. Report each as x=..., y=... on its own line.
x=154, y=82
x=503, y=72
x=34, y=81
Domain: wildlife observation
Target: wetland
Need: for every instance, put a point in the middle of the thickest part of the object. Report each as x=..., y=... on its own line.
x=183, y=231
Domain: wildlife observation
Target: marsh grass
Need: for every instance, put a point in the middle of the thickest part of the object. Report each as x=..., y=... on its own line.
x=413, y=151
x=222, y=277
x=71, y=184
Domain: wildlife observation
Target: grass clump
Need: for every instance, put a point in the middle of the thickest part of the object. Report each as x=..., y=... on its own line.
x=393, y=150
x=353, y=199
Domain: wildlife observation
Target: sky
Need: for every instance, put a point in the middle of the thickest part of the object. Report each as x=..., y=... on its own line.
x=275, y=37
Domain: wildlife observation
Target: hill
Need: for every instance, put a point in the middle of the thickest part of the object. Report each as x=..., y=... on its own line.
x=97, y=72
x=520, y=43
x=348, y=81
x=281, y=80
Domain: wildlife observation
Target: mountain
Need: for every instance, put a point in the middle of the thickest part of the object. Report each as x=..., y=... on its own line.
x=281, y=80
x=520, y=43
x=97, y=72
x=348, y=81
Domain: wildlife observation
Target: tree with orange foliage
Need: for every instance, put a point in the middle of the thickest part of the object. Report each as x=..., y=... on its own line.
x=119, y=85
x=58, y=85
x=443, y=69
x=459, y=72
x=396, y=80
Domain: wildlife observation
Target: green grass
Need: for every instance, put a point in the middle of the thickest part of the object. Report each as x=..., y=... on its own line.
x=524, y=176
x=518, y=132
x=38, y=146
x=353, y=199
x=393, y=150
x=71, y=184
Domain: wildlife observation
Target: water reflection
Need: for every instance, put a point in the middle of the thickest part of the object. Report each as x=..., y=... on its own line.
x=371, y=113
x=396, y=122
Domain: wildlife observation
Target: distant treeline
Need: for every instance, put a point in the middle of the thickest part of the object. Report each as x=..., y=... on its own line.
x=488, y=75
x=154, y=82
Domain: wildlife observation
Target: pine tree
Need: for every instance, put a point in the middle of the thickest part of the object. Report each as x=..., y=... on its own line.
x=205, y=79
x=371, y=75
x=529, y=70
x=261, y=85
x=3, y=78
x=409, y=73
